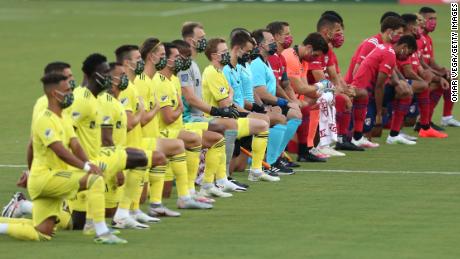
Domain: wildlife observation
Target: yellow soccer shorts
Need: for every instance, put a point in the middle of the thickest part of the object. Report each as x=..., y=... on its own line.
x=243, y=127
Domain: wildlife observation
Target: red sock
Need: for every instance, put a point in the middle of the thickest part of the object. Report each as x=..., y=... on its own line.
x=435, y=95
x=343, y=116
x=314, y=121
x=400, y=109
x=448, y=104
x=423, y=102
x=359, y=113
x=302, y=131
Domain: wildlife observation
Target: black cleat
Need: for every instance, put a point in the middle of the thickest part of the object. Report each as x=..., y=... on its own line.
x=347, y=146
x=310, y=158
x=238, y=183
x=288, y=163
x=436, y=127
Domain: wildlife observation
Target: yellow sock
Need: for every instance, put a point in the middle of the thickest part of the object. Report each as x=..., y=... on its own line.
x=130, y=190
x=24, y=231
x=213, y=159
x=15, y=221
x=65, y=220
x=222, y=167
x=259, y=145
x=179, y=168
x=193, y=162
x=156, y=180
x=96, y=199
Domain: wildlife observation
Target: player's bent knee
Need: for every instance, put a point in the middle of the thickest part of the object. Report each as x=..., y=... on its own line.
x=219, y=128
x=158, y=159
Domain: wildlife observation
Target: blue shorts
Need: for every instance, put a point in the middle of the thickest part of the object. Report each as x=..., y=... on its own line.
x=388, y=96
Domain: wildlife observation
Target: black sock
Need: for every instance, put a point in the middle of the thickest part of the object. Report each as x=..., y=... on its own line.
x=425, y=127
x=357, y=135
x=302, y=149
x=394, y=133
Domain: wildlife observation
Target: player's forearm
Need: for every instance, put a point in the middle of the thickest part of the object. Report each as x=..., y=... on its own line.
x=226, y=102
x=66, y=156
x=148, y=116
x=290, y=93
x=30, y=154
x=78, y=151
x=197, y=103
x=379, y=99
x=280, y=92
x=265, y=96
x=409, y=73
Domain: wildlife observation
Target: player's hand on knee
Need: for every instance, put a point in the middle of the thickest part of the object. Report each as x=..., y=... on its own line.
x=93, y=169
x=444, y=83
x=158, y=158
x=22, y=182
x=120, y=178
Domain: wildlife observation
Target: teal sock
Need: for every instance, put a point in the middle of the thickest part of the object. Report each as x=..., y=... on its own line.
x=291, y=129
x=275, y=140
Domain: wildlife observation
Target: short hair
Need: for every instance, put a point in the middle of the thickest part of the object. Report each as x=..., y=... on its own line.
x=333, y=13
x=122, y=53
x=409, y=18
x=114, y=65
x=258, y=35
x=327, y=21
x=212, y=47
x=276, y=27
x=56, y=67
x=239, y=29
x=409, y=40
x=148, y=46
x=189, y=27
x=393, y=23
x=317, y=42
x=52, y=79
x=389, y=14
x=426, y=9
x=183, y=47
x=91, y=62
x=240, y=38
x=168, y=47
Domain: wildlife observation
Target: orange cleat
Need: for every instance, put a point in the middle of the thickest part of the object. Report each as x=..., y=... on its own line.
x=431, y=133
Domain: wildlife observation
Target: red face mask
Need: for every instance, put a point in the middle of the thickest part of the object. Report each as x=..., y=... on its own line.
x=430, y=25
x=287, y=41
x=338, y=40
x=394, y=38
x=419, y=33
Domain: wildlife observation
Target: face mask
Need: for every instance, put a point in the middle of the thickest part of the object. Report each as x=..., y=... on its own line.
x=309, y=57
x=225, y=58
x=419, y=33
x=430, y=25
x=287, y=42
x=201, y=45
x=161, y=63
x=104, y=82
x=139, y=67
x=255, y=53
x=272, y=48
x=244, y=59
x=124, y=82
x=394, y=38
x=187, y=63
x=178, y=64
x=72, y=84
x=67, y=99
x=337, y=40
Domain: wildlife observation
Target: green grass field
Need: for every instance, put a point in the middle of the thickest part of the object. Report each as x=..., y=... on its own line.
x=397, y=213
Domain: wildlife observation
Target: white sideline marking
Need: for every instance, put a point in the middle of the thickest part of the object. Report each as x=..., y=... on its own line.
x=373, y=172
x=13, y=166
x=197, y=9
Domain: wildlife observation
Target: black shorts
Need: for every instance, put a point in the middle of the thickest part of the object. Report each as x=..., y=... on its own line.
x=243, y=114
x=284, y=110
x=245, y=142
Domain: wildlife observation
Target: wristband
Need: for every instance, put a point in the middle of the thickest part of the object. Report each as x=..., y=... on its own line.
x=86, y=167
x=409, y=81
x=281, y=102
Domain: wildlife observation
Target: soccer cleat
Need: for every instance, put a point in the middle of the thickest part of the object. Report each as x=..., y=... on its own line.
x=408, y=137
x=214, y=192
x=192, y=204
x=327, y=150
x=203, y=199
x=364, y=143
x=272, y=171
x=431, y=133
x=436, y=127
x=231, y=187
x=278, y=164
x=141, y=217
x=316, y=152
x=256, y=176
x=12, y=209
x=309, y=157
x=88, y=230
x=109, y=239
x=347, y=145
x=399, y=140
x=128, y=223
x=280, y=169
x=450, y=122
x=162, y=211
x=238, y=183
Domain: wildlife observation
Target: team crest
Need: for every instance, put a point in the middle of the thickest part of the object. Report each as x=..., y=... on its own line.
x=124, y=101
x=222, y=90
x=184, y=77
x=164, y=98
x=106, y=119
x=48, y=133
x=368, y=121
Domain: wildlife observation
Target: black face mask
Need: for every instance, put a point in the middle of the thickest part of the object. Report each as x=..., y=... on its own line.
x=187, y=63
x=272, y=48
x=139, y=67
x=104, y=82
x=225, y=58
x=255, y=53
x=124, y=82
x=67, y=99
x=201, y=45
x=244, y=59
x=161, y=63
x=179, y=64
x=72, y=84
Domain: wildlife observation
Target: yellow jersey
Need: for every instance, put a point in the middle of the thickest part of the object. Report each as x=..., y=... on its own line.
x=168, y=92
x=129, y=98
x=145, y=87
x=215, y=86
x=114, y=116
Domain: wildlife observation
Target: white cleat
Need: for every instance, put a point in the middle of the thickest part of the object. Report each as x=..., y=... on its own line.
x=162, y=211
x=399, y=140
x=192, y=204
x=327, y=150
x=141, y=217
x=231, y=187
x=408, y=137
x=13, y=209
x=214, y=192
x=450, y=121
x=128, y=223
x=203, y=199
x=258, y=175
x=364, y=142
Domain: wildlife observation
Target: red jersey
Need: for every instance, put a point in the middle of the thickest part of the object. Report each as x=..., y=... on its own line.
x=427, y=51
x=334, y=61
x=278, y=64
x=319, y=63
x=413, y=60
x=381, y=59
x=360, y=54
